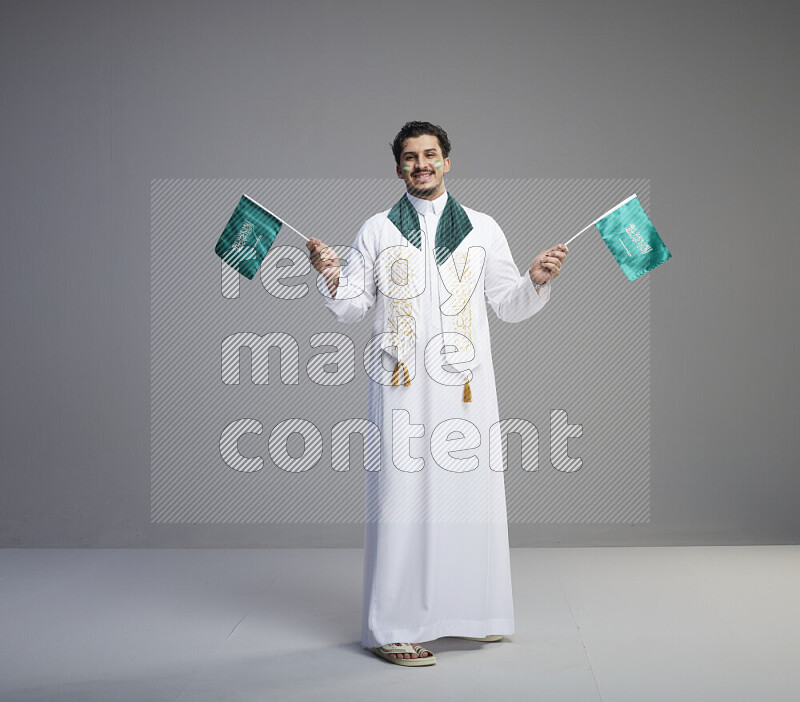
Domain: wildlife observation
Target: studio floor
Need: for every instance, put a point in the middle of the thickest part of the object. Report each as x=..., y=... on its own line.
x=610, y=624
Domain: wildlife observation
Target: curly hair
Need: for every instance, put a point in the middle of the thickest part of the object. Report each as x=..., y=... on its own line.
x=415, y=129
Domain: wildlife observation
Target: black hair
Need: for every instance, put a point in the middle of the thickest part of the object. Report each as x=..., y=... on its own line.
x=415, y=129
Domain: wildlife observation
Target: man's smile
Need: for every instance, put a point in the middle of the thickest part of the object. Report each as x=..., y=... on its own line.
x=422, y=176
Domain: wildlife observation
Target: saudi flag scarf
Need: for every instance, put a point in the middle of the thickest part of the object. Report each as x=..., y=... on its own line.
x=400, y=269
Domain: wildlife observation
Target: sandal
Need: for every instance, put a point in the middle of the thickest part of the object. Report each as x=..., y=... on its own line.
x=490, y=638
x=401, y=648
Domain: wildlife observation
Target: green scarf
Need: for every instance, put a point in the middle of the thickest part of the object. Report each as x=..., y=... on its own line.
x=453, y=226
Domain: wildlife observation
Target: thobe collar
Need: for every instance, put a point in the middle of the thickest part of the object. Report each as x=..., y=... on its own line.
x=453, y=227
x=425, y=206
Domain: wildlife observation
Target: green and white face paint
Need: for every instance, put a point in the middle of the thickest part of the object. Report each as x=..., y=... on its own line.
x=438, y=164
x=407, y=168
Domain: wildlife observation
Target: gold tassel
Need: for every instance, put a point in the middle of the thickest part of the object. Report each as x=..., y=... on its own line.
x=396, y=375
x=467, y=397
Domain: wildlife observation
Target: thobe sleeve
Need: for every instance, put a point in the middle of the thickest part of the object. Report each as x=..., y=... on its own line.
x=511, y=295
x=356, y=298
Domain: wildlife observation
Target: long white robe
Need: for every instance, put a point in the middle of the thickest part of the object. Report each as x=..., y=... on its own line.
x=436, y=560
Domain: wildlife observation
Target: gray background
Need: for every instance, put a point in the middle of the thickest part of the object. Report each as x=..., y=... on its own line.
x=100, y=98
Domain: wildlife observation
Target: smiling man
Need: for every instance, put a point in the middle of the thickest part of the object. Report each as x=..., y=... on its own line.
x=423, y=165
x=436, y=555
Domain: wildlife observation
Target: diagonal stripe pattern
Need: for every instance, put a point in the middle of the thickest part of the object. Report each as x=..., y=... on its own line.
x=274, y=446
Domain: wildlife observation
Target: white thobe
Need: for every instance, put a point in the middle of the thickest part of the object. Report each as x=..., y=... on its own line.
x=436, y=553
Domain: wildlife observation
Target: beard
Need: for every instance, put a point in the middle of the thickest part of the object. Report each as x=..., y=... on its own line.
x=424, y=188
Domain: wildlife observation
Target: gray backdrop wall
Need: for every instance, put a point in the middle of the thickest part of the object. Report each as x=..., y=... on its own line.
x=101, y=98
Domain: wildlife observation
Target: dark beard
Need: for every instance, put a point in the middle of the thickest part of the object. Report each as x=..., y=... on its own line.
x=422, y=191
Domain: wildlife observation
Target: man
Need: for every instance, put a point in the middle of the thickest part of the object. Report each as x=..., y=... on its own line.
x=436, y=559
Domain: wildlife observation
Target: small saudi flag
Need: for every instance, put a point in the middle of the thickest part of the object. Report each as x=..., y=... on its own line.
x=631, y=237
x=247, y=237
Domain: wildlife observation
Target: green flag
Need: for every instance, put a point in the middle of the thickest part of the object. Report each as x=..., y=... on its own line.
x=632, y=239
x=247, y=237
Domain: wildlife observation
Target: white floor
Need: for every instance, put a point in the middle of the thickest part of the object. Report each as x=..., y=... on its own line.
x=611, y=624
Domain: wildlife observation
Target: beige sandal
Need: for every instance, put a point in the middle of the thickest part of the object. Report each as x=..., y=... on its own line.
x=490, y=638
x=401, y=648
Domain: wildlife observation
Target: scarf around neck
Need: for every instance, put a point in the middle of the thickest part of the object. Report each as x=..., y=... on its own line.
x=454, y=225
x=451, y=277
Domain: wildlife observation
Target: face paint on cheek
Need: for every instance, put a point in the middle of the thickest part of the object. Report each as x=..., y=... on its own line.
x=438, y=163
x=407, y=168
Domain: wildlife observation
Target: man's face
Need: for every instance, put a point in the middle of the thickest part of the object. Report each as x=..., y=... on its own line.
x=422, y=166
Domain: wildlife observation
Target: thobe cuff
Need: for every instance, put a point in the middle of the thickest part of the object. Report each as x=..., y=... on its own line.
x=543, y=293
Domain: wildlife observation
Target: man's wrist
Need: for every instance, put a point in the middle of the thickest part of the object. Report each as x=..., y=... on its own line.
x=333, y=286
x=536, y=285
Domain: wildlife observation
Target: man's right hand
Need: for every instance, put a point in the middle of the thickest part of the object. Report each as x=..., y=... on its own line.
x=325, y=260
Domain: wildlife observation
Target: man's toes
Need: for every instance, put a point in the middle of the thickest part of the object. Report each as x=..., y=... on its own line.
x=406, y=655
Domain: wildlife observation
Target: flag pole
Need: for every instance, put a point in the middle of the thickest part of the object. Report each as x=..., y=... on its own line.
x=616, y=207
x=274, y=215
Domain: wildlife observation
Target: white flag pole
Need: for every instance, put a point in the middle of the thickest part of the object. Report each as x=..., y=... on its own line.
x=274, y=215
x=616, y=207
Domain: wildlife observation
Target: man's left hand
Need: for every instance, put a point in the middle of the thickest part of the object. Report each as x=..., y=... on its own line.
x=547, y=265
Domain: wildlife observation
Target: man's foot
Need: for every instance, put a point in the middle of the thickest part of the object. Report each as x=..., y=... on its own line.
x=405, y=654
x=425, y=652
